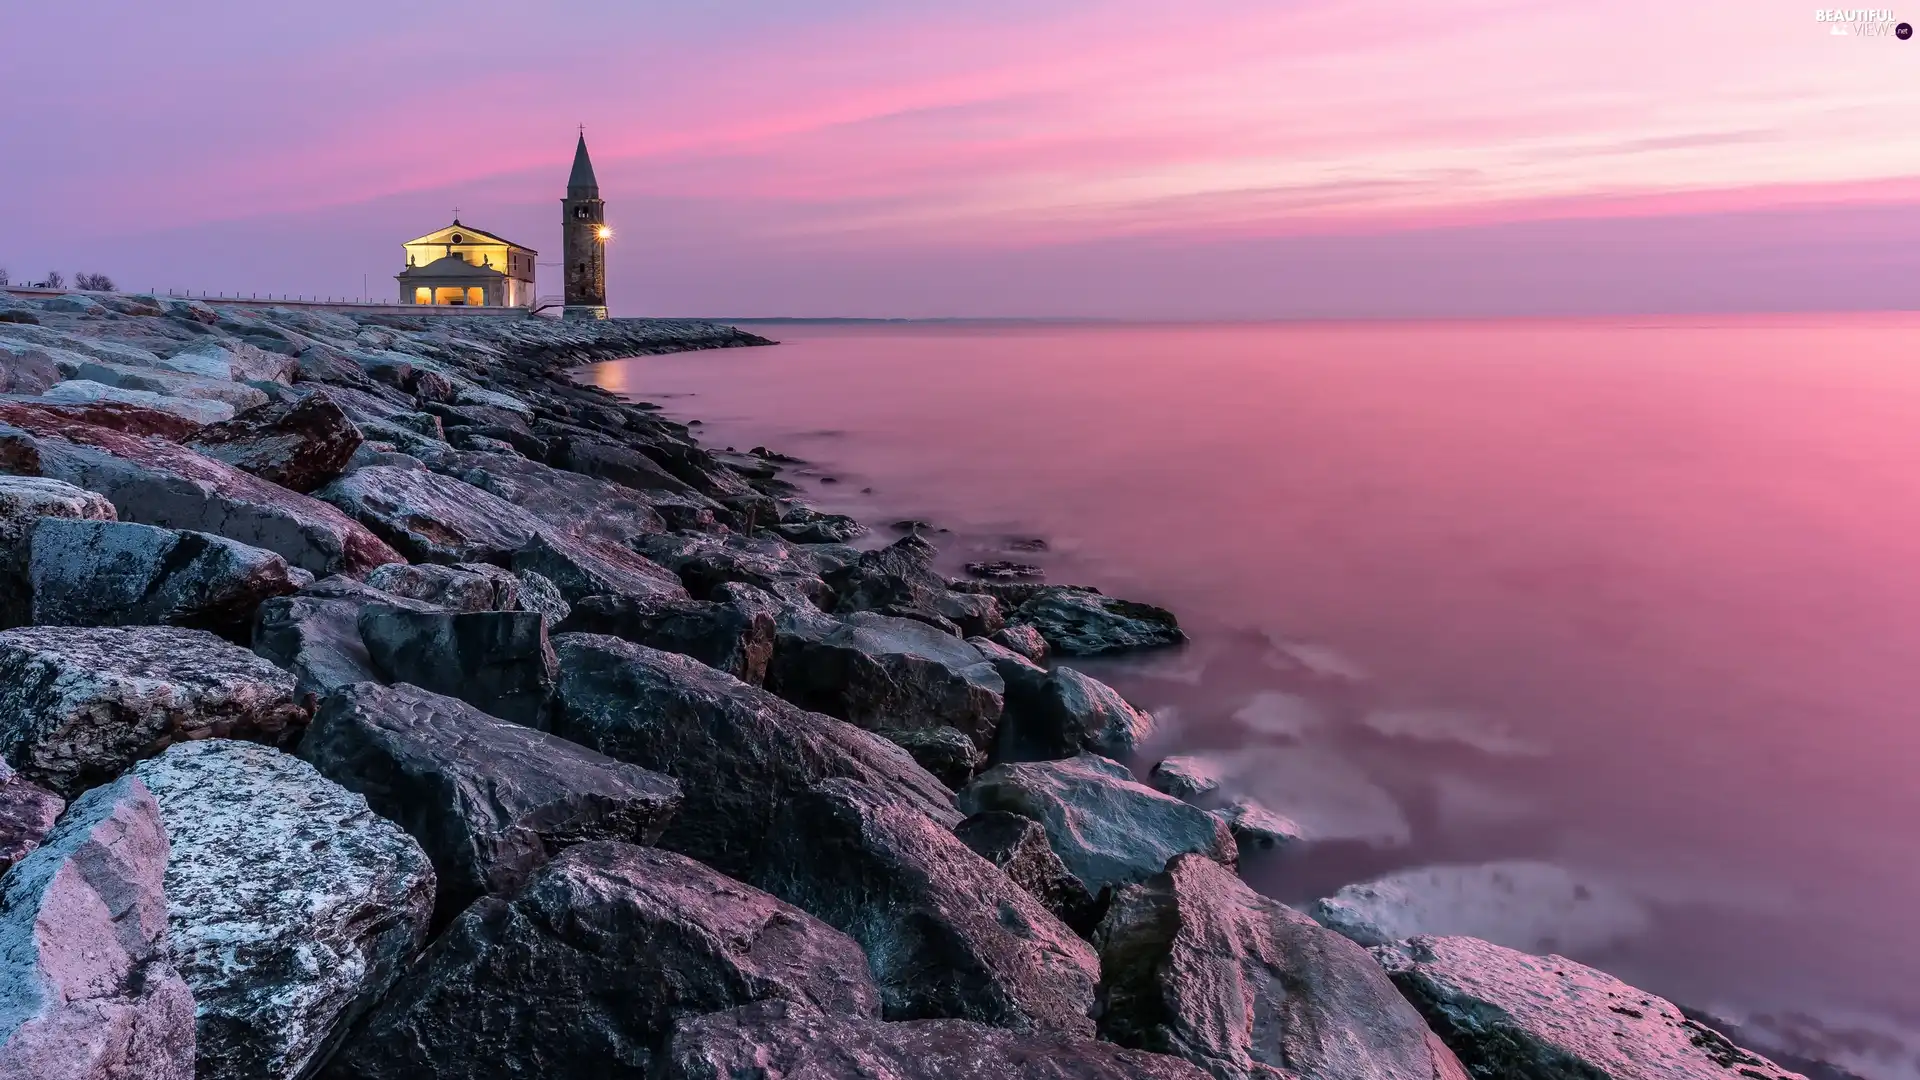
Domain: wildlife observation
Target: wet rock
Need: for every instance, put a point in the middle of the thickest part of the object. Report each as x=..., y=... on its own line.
x=946, y=934
x=155, y=482
x=738, y=751
x=115, y=573
x=1003, y=570
x=704, y=563
x=804, y=525
x=1506, y=1013
x=490, y=801
x=948, y=753
x=299, y=443
x=91, y=992
x=733, y=633
x=776, y=1039
x=1256, y=828
x=573, y=504
x=1067, y=713
x=1080, y=623
x=1106, y=828
x=432, y=518
x=619, y=464
x=292, y=906
x=315, y=633
x=885, y=673
x=459, y=587
x=79, y=705
x=899, y=580
x=1199, y=965
x=24, y=500
x=498, y=661
x=1185, y=777
x=1018, y=846
x=1025, y=640
x=589, y=566
x=585, y=971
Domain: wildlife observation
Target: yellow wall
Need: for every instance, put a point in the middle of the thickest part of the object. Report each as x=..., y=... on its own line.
x=477, y=254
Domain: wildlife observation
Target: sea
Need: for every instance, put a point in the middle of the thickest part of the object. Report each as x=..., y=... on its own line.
x=1598, y=637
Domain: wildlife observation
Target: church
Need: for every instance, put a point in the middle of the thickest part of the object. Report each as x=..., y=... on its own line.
x=459, y=265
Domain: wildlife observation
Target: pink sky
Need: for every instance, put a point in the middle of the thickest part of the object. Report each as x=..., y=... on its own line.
x=1223, y=158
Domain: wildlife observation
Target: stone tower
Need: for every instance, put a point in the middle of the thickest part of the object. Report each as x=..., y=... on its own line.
x=584, y=233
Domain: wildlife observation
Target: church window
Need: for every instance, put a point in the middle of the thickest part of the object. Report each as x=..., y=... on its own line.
x=458, y=239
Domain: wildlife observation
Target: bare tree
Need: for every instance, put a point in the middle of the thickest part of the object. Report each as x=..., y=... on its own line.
x=93, y=282
x=55, y=279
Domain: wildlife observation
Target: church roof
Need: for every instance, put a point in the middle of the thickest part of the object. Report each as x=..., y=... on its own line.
x=581, y=180
x=450, y=267
x=472, y=234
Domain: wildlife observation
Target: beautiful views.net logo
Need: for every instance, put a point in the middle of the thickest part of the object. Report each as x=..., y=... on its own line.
x=1862, y=22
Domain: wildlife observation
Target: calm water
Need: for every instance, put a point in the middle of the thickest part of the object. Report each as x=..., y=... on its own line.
x=1636, y=599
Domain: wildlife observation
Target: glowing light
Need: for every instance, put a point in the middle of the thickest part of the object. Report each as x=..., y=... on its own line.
x=604, y=233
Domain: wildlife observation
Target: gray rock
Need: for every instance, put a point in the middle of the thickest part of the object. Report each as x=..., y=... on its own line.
x=149, y=378
x=899, y=580
x=1506, y=1013
x=1256, y=828
x=733, y=633
x=777, y=1039
x=293, y=907
x=88, y=392
x=1107, y=829
x=490, y=801
x=537, y=593
x=24, y=500
x=430, y=517
x=117, y=573
x=1025, y=640
x=738, y=751
x=315, y=633
x=460, y=587
x=948, y=753
x=499, y=661
x=156, y=482
x=946, y=934
x=570, y=503
x=1067, y=713
x=27, y=815
x=885, y=673
x=585, y=971
x=77, y=706
x=804, y=525
x=89, y=989
x=1018, y=846
x=588, y=566
x=300, y=443
x=704, y=563
x=1185, y=777
x=1201, y=966
x=1076, y=622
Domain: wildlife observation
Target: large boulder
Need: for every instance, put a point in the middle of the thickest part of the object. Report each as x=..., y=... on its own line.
x=1065, y=713
x=572, y=504
x=298, y=443
x=24, y=500
x=293, y=906
x=899, y=580
x=48, y=417
x=738, y=751
x=1079, y=622
x=1509, y=1014
x=733, y=632
x=79, y=705
x=490, y=801
x=946, y=933
x=591, y=566
x=946, y=752
x=1018, y=846
x=1199, y=965
x=459, y=587
x=885, y=673
x=704, y=562
x=89, y=992
x=500, y=661
x=156, y=482
x=27, y=814
x=315, y=633
x=430, y=517
x=778, y=1039
x=117, y=573
x=92, y=392
x=1107, y=829
x=586, y=969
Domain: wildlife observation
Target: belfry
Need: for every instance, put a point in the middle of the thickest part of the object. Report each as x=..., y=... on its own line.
x=584, y=236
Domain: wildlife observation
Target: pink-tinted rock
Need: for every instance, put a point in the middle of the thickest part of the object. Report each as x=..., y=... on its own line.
x=300, y=444
x=27, y=814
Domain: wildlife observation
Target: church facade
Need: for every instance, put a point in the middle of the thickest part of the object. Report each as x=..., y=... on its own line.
x=459, y=265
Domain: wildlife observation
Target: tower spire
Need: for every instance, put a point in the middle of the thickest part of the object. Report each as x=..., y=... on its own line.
x=581, y=183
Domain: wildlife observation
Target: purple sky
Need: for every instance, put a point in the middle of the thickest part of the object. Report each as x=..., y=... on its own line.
x=1230, y=159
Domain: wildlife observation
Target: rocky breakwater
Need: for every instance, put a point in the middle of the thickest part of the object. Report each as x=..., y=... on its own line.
x=377, y=701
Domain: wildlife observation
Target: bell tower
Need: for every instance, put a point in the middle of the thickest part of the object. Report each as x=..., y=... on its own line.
x=584, y=232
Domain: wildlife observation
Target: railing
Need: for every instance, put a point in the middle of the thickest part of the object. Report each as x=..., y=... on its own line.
x=289, y=300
